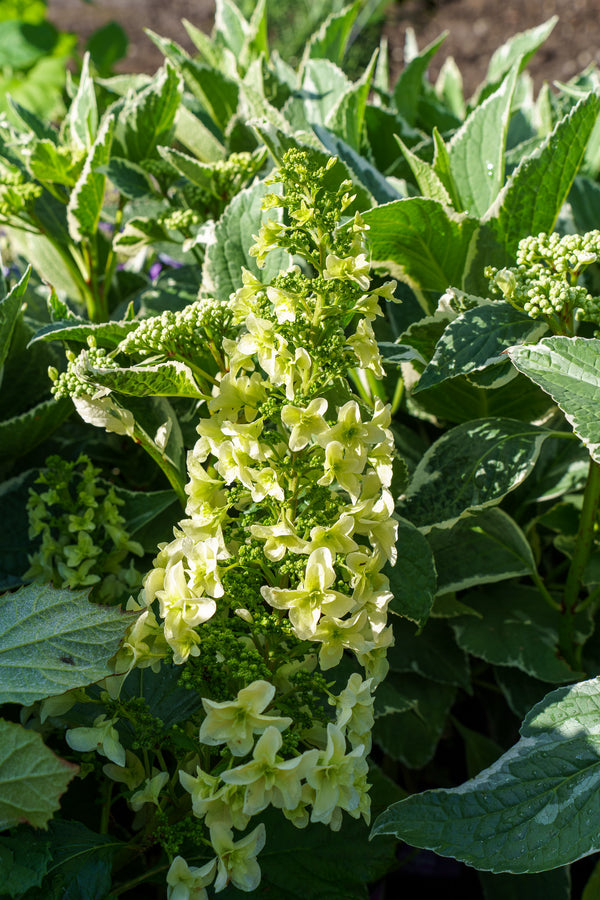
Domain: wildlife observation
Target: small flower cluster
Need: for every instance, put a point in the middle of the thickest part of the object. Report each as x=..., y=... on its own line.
x=84, y=541
x=190, y=335
x=544, y=281
x=276, y=571
x=73, y=382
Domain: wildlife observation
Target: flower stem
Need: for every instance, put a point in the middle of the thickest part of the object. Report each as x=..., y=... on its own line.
x=583, y=545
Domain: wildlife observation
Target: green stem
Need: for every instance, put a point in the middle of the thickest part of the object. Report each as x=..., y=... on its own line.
x=539, y=583
x=585, y=536
x=120, y=889
x=172, y=473
x=583, y=545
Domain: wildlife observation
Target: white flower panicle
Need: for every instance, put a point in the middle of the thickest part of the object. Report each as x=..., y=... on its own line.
x=276, y=571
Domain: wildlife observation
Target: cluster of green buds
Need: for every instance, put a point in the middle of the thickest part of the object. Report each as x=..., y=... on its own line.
x=216, y=183
x=275, y=575
x=84, y=539
x=544, y=283
x=73, y=382
x=17, y=195
x=191, y=335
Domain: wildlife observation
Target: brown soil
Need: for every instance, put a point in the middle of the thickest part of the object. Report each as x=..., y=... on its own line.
x=476, y=28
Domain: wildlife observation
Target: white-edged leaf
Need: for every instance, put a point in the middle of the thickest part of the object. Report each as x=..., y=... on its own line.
x=477, y=149
x=471, y=467
x=53, y=640
x=421, y=242
x=569, y=370
x=536, y=808
x=85, y=205
x=481, y=548
x=476, y=339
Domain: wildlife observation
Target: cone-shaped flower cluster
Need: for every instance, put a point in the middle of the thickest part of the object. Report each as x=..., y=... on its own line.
x=277, y=568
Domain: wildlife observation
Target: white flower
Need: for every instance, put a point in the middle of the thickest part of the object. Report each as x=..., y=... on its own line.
x=188, y=882
x=150, y=792
x=304, y=423
x=270, y=779
x=237, y=860
x=279, y=538
x=334, y=778
x=306, y=602
x=234, y=722
x=102, y=737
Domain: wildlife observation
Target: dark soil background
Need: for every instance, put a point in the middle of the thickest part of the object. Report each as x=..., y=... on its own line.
x=476, y=28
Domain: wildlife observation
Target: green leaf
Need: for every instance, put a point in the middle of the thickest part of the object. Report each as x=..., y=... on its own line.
x=519, y=48
x=168, y=379
x=530, y=201
x=315, y=863
x=23, y=863
x=409, y=87
x=429, y=182
x=477, y=149
x=128, y=178
x=106, y=334
x=217, y=93
x=81, y=863
x=412, y=736
x=23, y=44
x=82, y=117
x=481, y=548
x=431, y=653
x=21, y=433
x=535, y=809
x=85, y=205
x=413, y=577
x=234, y=235
x=323, y=83
x=145, y=118
x=480, y=751
x=330, y=41
x=230, y=27
x=421, y=242
x=53, y=640
x=10, y=306
x=106, y=46
x=476, y=339
x=197, y=136
x=569, y=370
x=347, y=118
x=47, y=163
x=469, y=468
x=517, y=629
x=32, y=778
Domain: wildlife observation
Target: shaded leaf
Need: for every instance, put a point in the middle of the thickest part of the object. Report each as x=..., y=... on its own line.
x=32, y=778
x=412, y=737
x=431, y=653
x=516, y=629
x=413, y=578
